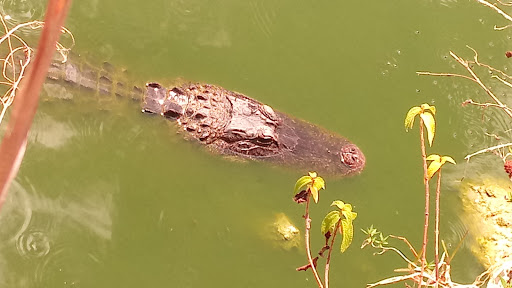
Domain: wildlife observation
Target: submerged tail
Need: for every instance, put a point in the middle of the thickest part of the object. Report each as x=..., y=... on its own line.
x=103, y=80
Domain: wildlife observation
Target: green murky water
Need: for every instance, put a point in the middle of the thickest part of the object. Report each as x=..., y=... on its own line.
x=113, y=198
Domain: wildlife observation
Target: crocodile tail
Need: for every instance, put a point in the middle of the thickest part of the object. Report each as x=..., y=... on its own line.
x=103, y=80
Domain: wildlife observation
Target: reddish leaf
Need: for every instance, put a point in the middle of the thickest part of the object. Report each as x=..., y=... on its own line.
x=301, y=197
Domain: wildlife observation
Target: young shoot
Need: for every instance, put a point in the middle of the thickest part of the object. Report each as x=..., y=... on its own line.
x=335, y=222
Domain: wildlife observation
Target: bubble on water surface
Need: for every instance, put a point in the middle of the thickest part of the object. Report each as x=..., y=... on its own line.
x=33, y=244
x=20, y=11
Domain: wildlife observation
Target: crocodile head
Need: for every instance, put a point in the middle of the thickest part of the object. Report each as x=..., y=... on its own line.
x=154, y=98
x=352, y=156
x=158, y=100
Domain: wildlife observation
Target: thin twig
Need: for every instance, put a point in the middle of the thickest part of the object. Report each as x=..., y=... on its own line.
x=477, y=62
x=445, y=74
x=503, y=81
x=392, y=280
x=308, y=248
x=408, y=244
x=465, y=64
x=504, y=4
x=328, y=261
x=385, y=249
x=486, y=105
x=489, y=149
x=499, y=28
x=436, y=230
x=427, y=198
x=474, y=77
x=505, y=15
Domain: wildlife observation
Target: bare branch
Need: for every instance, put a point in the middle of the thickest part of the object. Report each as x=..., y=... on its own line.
x=499, y=28
x=504, y=4
x=445, y=74
x=488, y=150
x=465, y=64
x=498, y=10
x=408, y=244
x=486, y=105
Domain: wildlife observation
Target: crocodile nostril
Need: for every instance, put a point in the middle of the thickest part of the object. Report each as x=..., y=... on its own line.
x=351, y=156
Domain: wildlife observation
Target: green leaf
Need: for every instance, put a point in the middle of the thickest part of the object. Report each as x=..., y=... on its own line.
x=338, y=203
x=437, y=163
x=409, y=118
x=330, y=221
x=370, y=231
x=349, y=215
x=383, y=240
x=348, y=234
x=303, y=181
x=432, y=168
x=433, y=157
x=445, y=159
x=425, y=107
x=314, y=193
x=430, y=124
x=319, y=183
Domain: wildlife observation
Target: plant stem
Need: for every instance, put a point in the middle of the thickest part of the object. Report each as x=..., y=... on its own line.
x=427, y=200
x=308, y=249
x=328, y=262
x=14, y=142
x=438, y=198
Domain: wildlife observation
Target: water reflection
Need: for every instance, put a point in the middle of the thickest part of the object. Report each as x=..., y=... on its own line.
x=33, y=244
x=54, y=240
x=22, y=10
x=264, y=16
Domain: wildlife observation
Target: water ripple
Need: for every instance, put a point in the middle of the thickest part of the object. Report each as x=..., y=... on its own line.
x=33, y=244
x=263, y=17
x=16, y=214
x=20, y=11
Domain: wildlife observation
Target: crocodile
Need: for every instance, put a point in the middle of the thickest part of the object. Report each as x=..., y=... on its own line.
x=227, y=122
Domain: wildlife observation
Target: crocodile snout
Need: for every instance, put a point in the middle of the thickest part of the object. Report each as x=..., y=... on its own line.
x=154, y=98
x=353, y=157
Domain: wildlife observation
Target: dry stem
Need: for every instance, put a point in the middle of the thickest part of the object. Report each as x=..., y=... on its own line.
x=474, y=77
x=13, y=64
x=489, y=149
x=495, y=8
x=438, y=199
x=328, y=261
x=408, y=244
x=308, y=248
x=427, y=199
